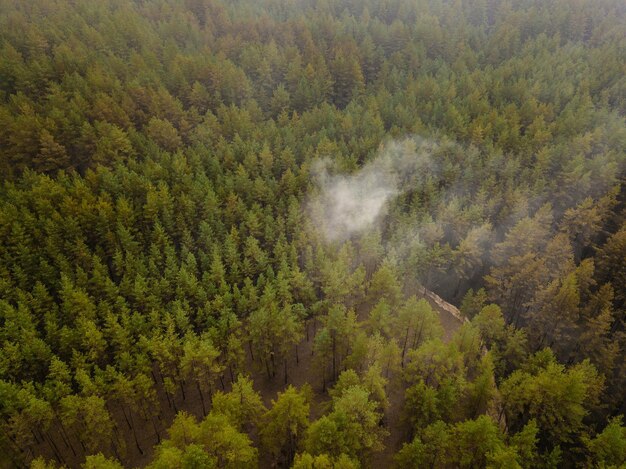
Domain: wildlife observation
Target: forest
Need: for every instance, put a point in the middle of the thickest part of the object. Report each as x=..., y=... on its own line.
x=312, y=234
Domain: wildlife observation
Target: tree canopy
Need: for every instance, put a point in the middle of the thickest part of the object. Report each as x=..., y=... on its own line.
x=233, y=233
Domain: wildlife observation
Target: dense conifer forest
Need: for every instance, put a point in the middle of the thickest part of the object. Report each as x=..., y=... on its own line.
x=235, y=234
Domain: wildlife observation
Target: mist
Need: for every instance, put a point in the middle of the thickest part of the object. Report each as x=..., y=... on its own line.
x=347, y=205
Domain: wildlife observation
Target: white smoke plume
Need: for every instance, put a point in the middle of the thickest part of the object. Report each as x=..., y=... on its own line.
x=352, y=204
x=441, y=195
x=348, y=205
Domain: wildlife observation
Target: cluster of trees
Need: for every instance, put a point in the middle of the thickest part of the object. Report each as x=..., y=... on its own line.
x=156, y=250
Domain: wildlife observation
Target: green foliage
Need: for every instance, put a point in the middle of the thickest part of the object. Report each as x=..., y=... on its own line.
x=421, y=405
x=242, y=405
x=556, y=397
x=473, y=442
x=323, y=461
x=608, y=448
x=213, y=442
x=41, y=463
x=352, y=428
x=199, y=362
x=274, y=330
x=157, y=163
x=430, y=448
x=99, y=461
x=285, y=423
x=334, y=341
x=473, y=302
x=417, y=323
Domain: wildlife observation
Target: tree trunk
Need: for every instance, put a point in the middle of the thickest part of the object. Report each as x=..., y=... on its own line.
x=82, y=444
x=250, y=348
x=201, y=397
x=406, y=339
x=64, y=435
x=169, y=401
x=53, y=447
x=156, y=430
x=334, y=357
x=182, y=388
x=419, y=336
x=267, y=368
x=116, y=451
x=126, y=416
x=135, y=433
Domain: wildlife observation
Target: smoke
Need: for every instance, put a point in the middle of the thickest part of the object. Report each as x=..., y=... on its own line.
x=454, y=202
x=349, y=205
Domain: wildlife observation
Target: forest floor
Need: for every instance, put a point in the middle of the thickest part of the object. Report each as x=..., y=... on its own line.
x=139, y=443
x=305, y=372
x=398, y=430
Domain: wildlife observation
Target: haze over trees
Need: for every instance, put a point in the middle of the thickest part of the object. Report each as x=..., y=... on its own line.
x=221, y=224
